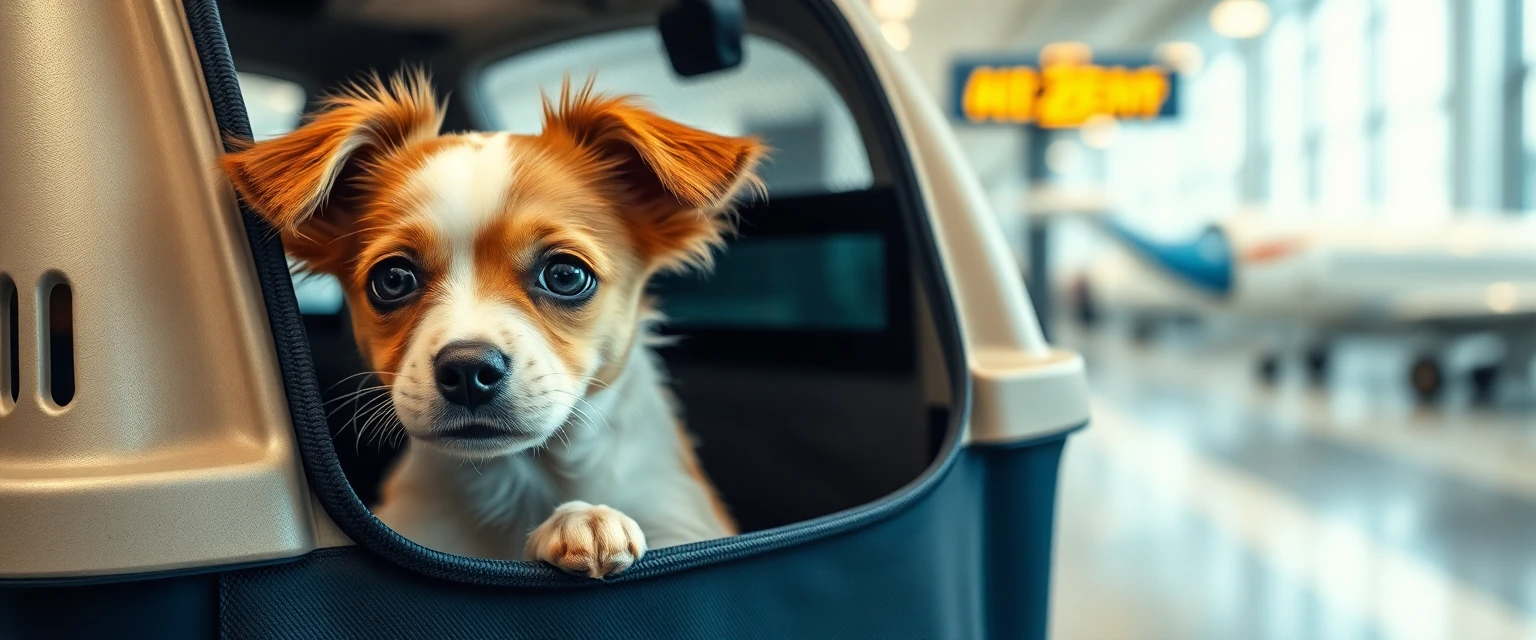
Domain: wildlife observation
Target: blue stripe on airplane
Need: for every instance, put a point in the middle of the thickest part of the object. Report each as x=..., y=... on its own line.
x=1204, y=262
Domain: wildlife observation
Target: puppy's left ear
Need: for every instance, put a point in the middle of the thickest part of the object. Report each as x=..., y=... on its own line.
x=676, y=183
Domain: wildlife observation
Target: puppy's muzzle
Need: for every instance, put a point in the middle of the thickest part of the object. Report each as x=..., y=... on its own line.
x=469, y=373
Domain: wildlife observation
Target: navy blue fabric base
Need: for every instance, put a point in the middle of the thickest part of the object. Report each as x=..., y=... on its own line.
x=969, y=560
x=173, y=608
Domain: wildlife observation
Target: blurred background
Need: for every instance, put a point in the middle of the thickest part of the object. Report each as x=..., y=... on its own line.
x=1304, y=292
x=1305, y=288
x=1291, y=238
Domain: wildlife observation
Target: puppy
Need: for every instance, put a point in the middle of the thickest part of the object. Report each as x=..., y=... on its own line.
x=496, y=284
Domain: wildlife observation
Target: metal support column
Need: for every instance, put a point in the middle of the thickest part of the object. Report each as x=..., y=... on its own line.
x=1037, y=226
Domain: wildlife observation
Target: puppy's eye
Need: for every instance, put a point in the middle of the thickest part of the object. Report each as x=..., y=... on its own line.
x=392, y=282
x=566, y=277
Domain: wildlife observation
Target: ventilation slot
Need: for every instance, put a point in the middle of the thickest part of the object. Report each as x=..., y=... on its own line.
x=10, y=341
x=60, y=338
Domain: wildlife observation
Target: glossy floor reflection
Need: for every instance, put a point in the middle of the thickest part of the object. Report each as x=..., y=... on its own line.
x=1203, y=505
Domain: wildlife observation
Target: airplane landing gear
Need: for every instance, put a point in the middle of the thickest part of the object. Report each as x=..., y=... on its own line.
x=1317, y=361
x=1426, y=377
x=1268, y=368
x=1485, y=380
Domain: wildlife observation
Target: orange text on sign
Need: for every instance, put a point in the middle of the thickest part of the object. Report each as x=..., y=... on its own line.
x=1063, y=95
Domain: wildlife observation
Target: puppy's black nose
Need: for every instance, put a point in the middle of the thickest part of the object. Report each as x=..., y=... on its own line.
x=469, y=373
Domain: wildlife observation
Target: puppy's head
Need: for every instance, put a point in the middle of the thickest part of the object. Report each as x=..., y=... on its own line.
x=492, y=278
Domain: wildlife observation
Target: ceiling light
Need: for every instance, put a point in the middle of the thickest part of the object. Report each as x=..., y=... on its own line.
x=1183, y=57
x=893, y=10
x=897, y=34
x=1501, y=297
x=1066, y=53
x=1100, y=131
x=1240, y=19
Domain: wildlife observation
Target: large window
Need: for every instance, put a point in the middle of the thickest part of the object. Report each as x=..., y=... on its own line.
x=1178, y=174
x=1359, y=114
x=1528, y=106
x=1218, y=109
x=1339, y=108
x=1415, y=142
x=1285, y=58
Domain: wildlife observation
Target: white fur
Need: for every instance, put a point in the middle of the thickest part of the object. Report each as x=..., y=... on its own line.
x=622, y=451
x=466, y=189
x=467, y=186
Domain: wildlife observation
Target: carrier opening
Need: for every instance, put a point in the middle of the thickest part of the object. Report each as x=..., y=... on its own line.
x=11, y=315
x=806, y=365
x=59, y=340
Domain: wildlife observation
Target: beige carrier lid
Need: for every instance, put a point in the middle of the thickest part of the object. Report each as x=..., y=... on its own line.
x=149, y=430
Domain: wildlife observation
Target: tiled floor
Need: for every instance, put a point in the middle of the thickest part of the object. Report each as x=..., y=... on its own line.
x=1203, y=505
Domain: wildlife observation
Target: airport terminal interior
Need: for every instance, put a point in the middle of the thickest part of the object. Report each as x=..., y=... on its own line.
x=1291, y=239
x=1345, y=446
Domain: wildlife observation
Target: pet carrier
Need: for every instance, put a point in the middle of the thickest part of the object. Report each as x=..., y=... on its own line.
x=167, y=468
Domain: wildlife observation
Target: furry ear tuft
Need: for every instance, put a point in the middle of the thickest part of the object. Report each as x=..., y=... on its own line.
x=679, y=181
x=288, y=179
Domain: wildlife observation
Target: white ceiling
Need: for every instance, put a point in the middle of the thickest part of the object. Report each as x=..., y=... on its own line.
x=941, y=29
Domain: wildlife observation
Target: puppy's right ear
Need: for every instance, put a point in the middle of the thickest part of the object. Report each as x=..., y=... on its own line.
x=290, y=180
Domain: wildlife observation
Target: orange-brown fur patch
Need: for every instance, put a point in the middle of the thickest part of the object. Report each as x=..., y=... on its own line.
x=674, y=183
x=291, y=180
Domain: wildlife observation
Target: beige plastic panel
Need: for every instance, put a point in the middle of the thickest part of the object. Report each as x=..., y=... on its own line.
x=177, y=449
x=1022, y=387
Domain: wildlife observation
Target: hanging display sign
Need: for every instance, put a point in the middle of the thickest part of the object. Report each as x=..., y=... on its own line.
x=1062, y=93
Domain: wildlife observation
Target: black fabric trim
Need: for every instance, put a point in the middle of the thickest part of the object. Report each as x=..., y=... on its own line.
x=304, y=399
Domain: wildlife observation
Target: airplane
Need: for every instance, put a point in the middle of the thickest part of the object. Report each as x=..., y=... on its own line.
x=1461, y=290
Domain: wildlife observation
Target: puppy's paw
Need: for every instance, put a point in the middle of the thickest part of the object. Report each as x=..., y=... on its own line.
x=595, y=541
